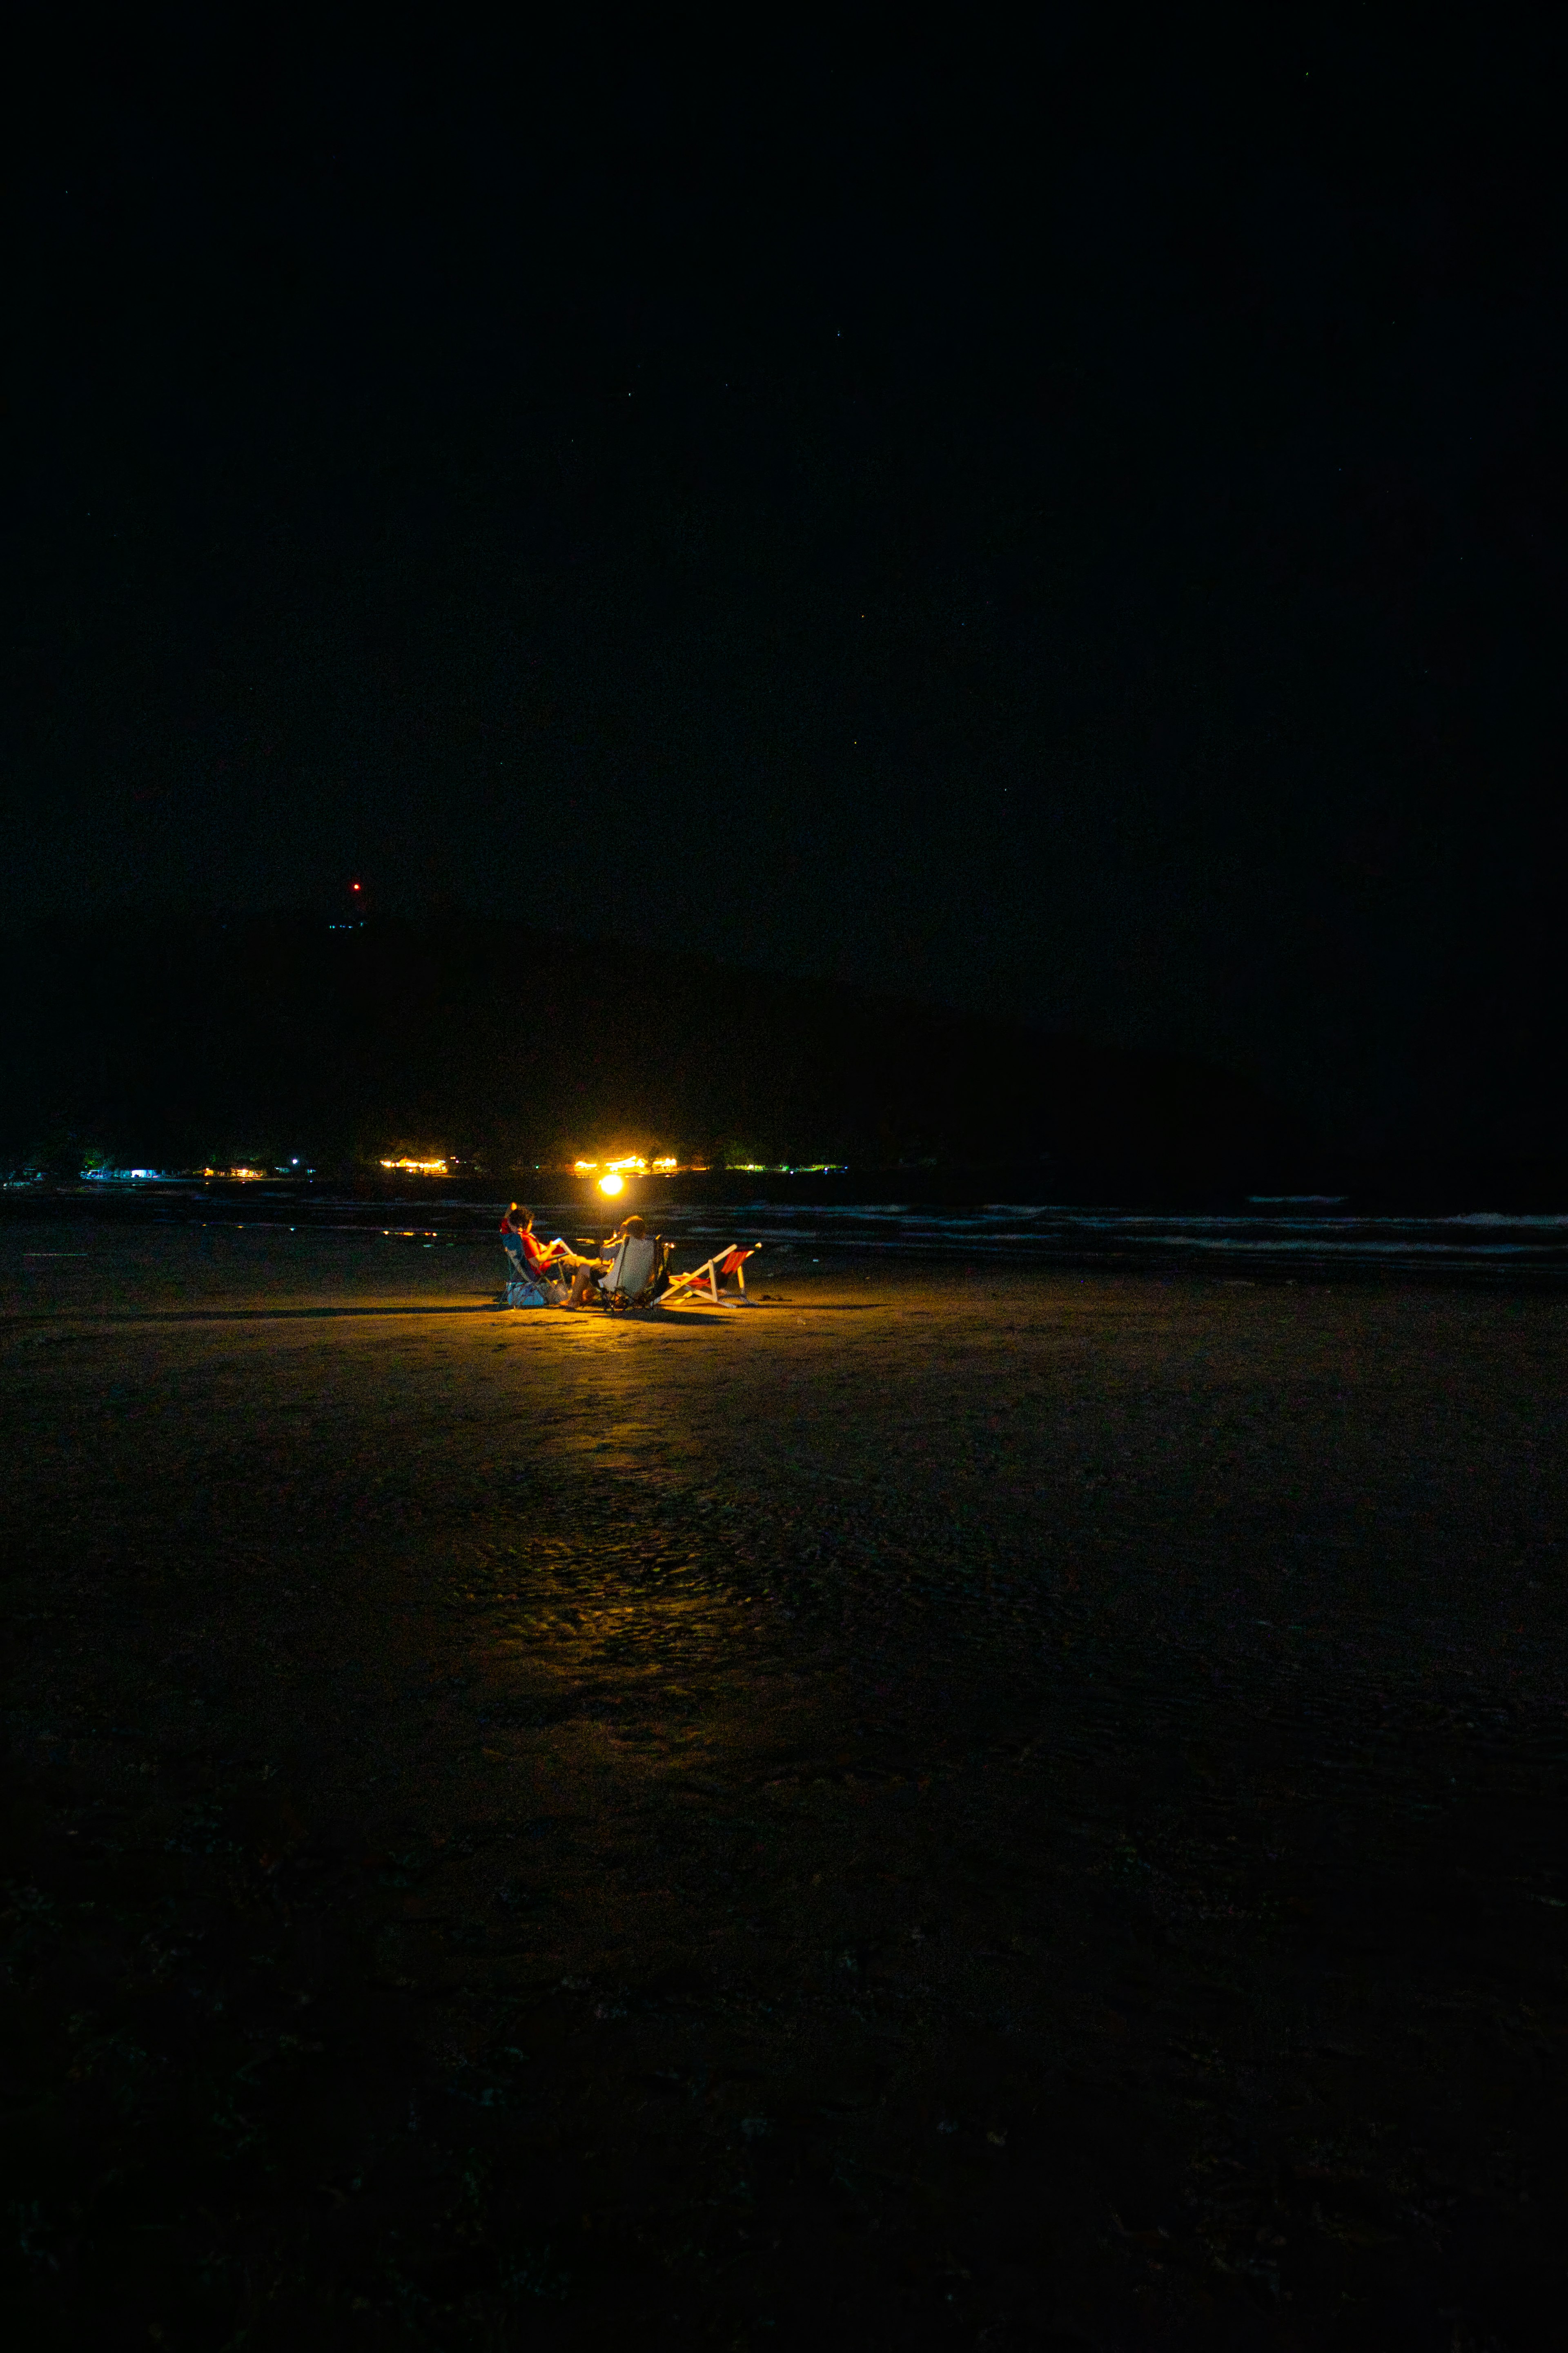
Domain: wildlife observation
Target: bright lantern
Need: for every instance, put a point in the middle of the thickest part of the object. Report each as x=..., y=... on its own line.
x=611, y=1183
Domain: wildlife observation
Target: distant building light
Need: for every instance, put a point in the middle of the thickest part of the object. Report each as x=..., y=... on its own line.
x=419, y=1167
x=626, y=1164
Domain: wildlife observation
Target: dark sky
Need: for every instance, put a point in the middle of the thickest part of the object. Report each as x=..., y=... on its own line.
x=1073, y=526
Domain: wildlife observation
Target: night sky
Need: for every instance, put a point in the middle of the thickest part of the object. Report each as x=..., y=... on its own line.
x=1071, y=527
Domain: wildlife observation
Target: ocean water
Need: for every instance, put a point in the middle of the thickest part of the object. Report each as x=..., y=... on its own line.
x=1295, y=1235
x=1267, y=1235
x=1263, y=1236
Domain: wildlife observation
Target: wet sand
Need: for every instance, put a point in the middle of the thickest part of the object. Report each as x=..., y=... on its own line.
x=1009, y=1814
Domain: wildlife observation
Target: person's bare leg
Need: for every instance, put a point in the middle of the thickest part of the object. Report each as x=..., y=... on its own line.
x=579, y=1291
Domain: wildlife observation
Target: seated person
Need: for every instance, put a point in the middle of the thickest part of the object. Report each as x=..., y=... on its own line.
x=631, y=1256
x=535, y=1258
x=591, y=1269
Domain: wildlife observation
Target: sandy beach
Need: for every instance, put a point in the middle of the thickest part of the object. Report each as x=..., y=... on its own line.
x=1017, y=1809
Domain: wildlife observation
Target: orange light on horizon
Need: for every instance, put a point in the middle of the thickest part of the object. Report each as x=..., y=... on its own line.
x=626, y=1164
x=419, y=1167
x=612, y=1182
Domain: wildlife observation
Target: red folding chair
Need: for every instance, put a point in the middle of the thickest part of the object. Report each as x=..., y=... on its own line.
x=704, y=1282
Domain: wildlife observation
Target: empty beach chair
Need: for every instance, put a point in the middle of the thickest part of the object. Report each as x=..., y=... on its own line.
x=706, y=1282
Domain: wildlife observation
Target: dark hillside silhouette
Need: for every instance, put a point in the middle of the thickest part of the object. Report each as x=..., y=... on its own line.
x=170, y=1043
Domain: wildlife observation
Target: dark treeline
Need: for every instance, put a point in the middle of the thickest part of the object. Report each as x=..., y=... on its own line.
x=169, y=1043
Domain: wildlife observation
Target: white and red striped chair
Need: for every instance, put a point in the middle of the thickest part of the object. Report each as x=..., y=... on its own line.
x=706, y=1282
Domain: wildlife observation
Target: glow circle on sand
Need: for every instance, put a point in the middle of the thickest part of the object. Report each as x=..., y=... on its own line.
x=611, y=1183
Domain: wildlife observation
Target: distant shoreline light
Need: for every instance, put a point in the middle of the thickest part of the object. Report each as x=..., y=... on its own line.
x=630, y=1163
x=633, y=1164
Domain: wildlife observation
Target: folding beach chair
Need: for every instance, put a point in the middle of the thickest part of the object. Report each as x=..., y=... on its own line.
x=524, y=1288
x=634, y=1272
x=705, y=1282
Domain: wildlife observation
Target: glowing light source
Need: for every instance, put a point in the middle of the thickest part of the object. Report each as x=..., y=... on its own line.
x=419, y=1167
x=612, y=1182
x=626, y=1164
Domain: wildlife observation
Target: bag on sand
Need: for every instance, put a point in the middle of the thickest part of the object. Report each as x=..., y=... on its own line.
x=528, y=1291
